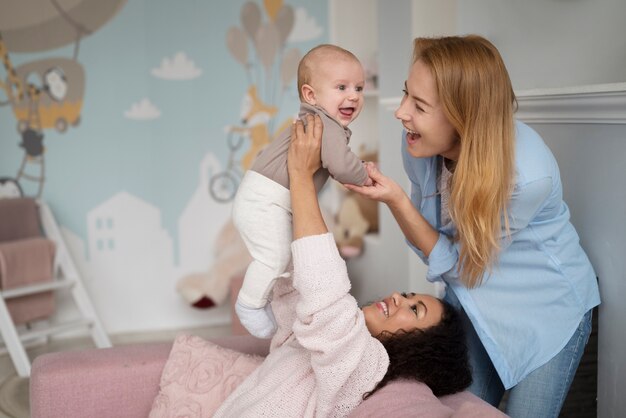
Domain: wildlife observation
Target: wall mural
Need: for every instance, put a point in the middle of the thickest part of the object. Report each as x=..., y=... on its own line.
x=45, y=93
x=260, y=47
x=145, y=144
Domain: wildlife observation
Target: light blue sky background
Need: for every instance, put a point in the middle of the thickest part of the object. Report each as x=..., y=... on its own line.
x=156, y=160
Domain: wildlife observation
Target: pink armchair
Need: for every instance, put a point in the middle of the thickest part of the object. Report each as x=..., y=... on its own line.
x=123, y=381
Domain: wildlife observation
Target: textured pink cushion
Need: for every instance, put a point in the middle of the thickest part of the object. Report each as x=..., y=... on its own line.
x=404, y=398
x=198, y=376
x=118, y=382
x=468, y=405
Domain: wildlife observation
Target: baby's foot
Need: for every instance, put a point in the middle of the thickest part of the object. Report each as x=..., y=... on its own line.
x=259, y=322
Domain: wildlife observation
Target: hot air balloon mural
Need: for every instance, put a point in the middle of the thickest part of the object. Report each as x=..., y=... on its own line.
x=259, y=45
x=46, y=93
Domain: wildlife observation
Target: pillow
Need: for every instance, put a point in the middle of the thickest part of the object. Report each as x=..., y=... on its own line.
x=408, y=398
x=403, y=398
x=198, y=376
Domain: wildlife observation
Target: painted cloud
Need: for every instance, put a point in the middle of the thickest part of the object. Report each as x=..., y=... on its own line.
x=143, y=110
x=305, y=28
x=180, y=67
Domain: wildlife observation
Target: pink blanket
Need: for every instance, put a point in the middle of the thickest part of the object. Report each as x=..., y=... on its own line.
x=19, y=219
x=26, y=262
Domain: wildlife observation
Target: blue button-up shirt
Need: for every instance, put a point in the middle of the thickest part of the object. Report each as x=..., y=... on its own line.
x=534, y=297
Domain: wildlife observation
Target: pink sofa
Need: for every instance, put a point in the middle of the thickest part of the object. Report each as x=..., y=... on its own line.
x=123, y=381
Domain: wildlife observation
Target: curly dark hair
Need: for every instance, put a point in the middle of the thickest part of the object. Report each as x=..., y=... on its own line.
x=436, y=356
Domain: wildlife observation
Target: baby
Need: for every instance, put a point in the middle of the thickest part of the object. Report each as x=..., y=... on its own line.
x=330, y=84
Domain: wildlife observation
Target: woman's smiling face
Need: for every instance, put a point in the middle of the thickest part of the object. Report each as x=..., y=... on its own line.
x=429, y=132
x=401, y=311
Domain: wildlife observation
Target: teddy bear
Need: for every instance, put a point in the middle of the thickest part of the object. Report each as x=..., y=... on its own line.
x=356, y=217
x=210, y=288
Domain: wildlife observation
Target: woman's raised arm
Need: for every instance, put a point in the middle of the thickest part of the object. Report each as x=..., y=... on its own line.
x=303, y=161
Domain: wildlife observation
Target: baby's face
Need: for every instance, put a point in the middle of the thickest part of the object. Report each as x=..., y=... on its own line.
x=338, y=89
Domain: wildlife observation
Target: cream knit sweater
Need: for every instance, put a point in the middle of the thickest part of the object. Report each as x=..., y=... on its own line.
x=322, y=359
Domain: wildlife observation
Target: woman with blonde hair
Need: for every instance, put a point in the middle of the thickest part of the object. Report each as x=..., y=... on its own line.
x=486, y=215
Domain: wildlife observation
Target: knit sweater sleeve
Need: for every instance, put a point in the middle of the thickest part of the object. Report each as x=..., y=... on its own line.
x=345, y=358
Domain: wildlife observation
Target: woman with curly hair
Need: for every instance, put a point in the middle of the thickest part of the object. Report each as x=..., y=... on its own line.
x=486, y=214
x=436, y=356
x=328, y=355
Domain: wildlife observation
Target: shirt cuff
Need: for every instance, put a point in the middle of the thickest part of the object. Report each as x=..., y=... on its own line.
x=442, y=258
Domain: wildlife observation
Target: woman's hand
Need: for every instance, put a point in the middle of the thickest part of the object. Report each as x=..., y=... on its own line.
x=413, y=225
x=304, y=157
x=383, y=189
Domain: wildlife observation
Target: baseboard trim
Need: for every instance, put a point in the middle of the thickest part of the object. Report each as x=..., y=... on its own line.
x=593, y=104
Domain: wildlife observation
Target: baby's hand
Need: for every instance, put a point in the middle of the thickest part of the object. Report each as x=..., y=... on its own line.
x=369, y=164
x=368, y=181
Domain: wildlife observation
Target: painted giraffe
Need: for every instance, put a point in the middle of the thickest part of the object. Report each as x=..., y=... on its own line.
x=14, y=81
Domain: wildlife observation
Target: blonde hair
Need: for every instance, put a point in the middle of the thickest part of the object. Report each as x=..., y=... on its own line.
x=478, y=99
x=307, y=65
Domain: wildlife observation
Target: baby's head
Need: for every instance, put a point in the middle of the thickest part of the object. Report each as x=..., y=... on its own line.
x=425, y=340
x=332, y=78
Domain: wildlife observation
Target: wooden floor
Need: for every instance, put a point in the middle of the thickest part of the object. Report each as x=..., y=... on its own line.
x=7, y=369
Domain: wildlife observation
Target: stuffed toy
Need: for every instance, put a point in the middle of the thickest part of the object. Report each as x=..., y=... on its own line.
x=356, y=217
x=210, y=288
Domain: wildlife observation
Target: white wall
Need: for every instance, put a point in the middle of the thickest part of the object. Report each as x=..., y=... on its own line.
x=591, y=159
x=358, y=33
x=553, y=43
